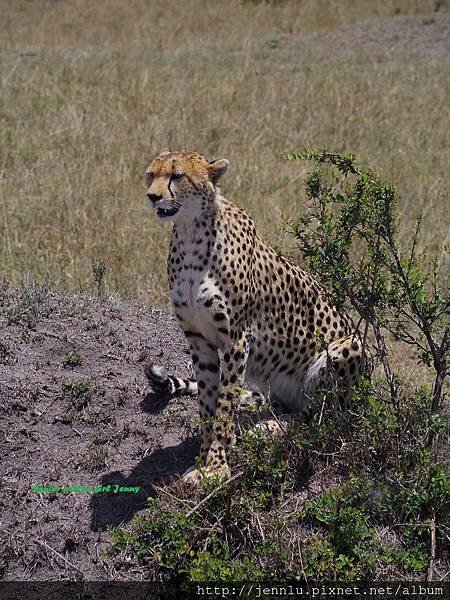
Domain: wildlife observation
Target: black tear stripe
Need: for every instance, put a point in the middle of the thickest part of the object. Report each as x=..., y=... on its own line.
x=170, y=189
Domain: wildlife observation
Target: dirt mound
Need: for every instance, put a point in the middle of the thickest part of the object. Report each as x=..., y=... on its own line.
x=76, y=411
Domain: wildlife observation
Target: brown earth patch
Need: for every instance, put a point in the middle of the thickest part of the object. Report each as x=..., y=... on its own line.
x=94, y=423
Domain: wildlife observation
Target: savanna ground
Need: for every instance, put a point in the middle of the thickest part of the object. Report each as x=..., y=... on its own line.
x=90, y=92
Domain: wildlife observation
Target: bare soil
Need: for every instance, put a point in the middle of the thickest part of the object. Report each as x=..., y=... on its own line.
x=92, y=424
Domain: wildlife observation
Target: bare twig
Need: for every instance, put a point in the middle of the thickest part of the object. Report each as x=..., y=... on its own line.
x=322, y=409
x=45, y=545
x=53, y=335
x=215, y=490
x=162, y=490
x=430, y=573
x=260, y=527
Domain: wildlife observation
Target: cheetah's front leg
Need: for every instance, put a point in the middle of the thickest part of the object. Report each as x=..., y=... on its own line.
x=206, y=365
x=232, y=377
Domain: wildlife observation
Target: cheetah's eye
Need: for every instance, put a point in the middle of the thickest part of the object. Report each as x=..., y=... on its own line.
x=150, y=176
x=176, y=176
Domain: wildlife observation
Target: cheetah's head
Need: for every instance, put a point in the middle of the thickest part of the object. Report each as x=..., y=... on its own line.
x=182, y=185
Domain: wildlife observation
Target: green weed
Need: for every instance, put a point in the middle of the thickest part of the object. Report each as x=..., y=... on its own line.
x=72, y=358
x=79, y=393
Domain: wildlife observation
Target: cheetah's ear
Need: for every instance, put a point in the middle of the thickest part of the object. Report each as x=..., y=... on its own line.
x=217, y=168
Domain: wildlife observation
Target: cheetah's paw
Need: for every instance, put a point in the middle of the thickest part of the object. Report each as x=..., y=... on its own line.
x=221, y=472
x=269, y=427
x=192, y=476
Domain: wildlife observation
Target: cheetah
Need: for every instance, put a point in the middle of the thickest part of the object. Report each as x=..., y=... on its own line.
x=253, y=319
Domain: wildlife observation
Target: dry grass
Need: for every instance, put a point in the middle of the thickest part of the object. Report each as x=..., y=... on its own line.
x=91, y=91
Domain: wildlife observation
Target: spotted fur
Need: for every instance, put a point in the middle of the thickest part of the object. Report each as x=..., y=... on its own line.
x=253, y=319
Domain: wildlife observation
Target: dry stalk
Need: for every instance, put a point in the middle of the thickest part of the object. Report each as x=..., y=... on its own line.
x=217, y=489
x=430, y=573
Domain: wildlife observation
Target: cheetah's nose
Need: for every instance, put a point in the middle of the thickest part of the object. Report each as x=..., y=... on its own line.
x=154, y=198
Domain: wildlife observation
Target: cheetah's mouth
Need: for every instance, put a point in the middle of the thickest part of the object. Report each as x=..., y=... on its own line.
x=166, y=212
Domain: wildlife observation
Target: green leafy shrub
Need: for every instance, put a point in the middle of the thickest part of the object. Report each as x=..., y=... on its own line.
x=348, y=237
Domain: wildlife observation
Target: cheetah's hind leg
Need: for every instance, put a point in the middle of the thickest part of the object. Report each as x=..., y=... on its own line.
x=166, y=384
x=267, y=416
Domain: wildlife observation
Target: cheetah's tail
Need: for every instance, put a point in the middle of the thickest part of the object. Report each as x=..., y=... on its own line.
x=164, y=383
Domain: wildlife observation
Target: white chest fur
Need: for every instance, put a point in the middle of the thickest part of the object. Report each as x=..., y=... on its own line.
x=192, y=282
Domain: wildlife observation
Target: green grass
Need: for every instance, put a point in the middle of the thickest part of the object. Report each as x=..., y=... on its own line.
x=78, y=393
